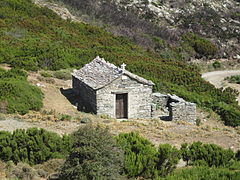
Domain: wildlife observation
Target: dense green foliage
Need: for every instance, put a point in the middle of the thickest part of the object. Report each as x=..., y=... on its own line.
x=32, y=37
x=33, y=146
x=139, y=155
x=216, y=64
x=203, y=173
x=16, y=94
x=206, y=154
x=168, y=158
x=142, y=159
x=95, y=155
x=233, y=79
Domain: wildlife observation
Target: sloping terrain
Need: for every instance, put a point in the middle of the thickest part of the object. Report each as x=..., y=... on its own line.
x=40, y=39
x=56, y=106
x=217, y=78
x=145, y=20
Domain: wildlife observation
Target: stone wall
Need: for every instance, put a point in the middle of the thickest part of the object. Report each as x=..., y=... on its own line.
x=178, y=108
x=160, y=100
x=139, y=97
x=183, y=111
x=87, y=96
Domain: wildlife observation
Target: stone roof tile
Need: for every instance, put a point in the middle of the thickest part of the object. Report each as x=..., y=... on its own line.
x=100, y=73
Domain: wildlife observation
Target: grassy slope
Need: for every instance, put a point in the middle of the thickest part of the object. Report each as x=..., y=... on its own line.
x=16, y=94
x=33, y=38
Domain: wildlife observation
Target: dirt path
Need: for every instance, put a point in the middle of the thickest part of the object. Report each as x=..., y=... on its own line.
x=217, y=79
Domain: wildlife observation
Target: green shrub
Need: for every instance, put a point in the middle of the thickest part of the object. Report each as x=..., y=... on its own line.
x=17, y=94
x=95, y=155
x=64, y=117
x=140, y=155
x=33, y=146
x=238, y=155
x=203, y=173
x=216, y=64
x=233, y=79
x=168, y=158
x=229, y=114
x=206, y=154
x=63, y=74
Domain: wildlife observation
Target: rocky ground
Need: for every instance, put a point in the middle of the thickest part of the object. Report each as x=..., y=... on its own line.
x=215, y=19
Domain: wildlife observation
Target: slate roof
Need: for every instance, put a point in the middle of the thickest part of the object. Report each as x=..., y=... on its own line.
x=100, y=73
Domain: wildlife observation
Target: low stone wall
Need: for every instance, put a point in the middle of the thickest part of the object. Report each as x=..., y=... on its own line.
x=178, y=108
x=183, y=111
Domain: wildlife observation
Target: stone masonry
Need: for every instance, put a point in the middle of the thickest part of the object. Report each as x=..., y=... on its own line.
x=99, y=82
x=139, y=97
x=99, y=85
x=178, y=108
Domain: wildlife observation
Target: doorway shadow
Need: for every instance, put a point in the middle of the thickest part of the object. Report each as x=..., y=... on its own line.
x=165, y=118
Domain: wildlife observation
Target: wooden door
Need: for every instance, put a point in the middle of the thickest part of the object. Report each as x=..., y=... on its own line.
x=121, y=106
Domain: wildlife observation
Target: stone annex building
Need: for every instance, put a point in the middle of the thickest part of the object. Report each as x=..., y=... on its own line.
x=106, y=89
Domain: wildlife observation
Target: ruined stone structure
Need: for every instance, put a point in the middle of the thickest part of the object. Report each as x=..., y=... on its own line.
x=177, y=108
x=106, y=89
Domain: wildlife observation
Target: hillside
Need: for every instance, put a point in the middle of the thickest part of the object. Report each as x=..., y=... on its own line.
x=43, y=135
x=145, y=20
x=36, y=38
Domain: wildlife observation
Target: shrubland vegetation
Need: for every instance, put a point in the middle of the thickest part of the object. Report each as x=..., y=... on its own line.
x=233, y=79
x=16, y=94
x=36, y=38
x=204, y=172
x=93, y=153
x=33, y=146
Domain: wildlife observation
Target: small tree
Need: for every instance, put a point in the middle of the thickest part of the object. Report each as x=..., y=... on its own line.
x=140, y=155
x=206, y=154
x=168, y=158
x=95, y=155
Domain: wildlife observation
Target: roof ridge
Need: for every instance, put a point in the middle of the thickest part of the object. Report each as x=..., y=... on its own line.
x=99, y=73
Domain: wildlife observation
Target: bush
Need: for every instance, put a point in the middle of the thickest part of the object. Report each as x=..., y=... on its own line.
x=216, y=64
x=229, y=114
x=17, y=94
x=233, y=79
x=203, y=173
x=238, y=155
x=206, y=154
x=63, y=74
x=95, y=155
x=140, y=155
x=33, y=146
x=168, y=158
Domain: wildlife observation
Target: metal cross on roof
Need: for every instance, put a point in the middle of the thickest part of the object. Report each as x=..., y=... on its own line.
x=123, y=66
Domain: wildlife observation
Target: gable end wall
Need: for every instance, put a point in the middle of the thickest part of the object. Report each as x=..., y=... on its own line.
x=139, y=98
